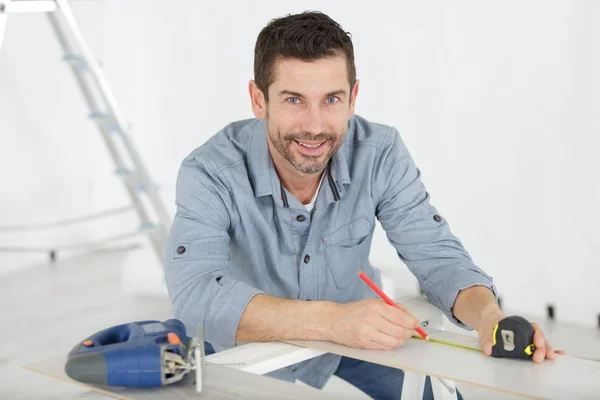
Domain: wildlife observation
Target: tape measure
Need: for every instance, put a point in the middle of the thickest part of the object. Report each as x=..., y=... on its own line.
x=513, y=338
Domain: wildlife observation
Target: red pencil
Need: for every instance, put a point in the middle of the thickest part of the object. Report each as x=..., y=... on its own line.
x=388, y=300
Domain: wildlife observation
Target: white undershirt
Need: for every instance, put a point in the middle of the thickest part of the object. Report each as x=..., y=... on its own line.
x=311, y=205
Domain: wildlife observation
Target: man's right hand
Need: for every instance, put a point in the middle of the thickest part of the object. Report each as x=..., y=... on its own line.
x=371, y=324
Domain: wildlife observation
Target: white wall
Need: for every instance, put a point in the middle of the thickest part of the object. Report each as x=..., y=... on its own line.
x=498, y=103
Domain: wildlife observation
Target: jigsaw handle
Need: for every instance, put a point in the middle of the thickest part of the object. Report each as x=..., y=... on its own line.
x=130, y=331
x=128, y=355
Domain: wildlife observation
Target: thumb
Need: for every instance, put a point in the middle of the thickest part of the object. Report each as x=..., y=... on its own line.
x=487, y=348
x=486, y=345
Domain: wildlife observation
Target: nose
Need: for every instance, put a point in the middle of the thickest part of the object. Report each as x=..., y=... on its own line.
x=313, y=120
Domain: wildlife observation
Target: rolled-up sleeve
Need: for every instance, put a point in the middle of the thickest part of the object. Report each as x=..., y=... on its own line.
x=197, y=256
x=421, y=235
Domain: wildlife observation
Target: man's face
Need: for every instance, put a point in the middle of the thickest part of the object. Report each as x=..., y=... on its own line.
x=308, y=110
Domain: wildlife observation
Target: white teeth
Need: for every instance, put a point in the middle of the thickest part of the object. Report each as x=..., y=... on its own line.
x=310, y=146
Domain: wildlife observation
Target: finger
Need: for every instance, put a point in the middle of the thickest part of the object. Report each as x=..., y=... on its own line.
x=367, y=338
x=540, y=345
x=393, y=330
x=369, y=345
x=485, y=340
x=538, y=336
x=539, y=355
x=404, y=309
x=399, y=317
x=549, y=351
x=561, y=352
x=384, y=340
x=486, y=346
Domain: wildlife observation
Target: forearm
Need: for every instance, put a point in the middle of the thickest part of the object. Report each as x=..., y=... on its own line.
x=475, y=305
x=268, y=318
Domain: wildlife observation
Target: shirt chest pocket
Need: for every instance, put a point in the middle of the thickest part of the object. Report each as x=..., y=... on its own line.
x=347, y=251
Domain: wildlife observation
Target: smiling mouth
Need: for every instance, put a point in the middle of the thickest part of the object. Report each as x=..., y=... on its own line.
x=309, y=144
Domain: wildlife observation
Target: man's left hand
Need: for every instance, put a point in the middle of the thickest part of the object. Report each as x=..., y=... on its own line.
x=543, y=348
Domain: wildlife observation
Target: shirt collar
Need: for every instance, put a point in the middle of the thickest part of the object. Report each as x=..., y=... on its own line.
x=260, y=164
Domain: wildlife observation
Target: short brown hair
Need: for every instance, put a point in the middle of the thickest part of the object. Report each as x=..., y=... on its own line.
x=308, y=36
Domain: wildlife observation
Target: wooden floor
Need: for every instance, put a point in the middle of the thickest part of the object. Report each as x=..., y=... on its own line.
x=46, y=309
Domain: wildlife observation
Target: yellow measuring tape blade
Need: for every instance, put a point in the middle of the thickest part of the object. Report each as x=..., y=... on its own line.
x=454, y=344
x=464, y=346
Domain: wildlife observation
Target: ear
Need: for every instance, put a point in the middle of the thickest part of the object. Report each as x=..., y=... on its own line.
x=353, y=95
x=259, y=105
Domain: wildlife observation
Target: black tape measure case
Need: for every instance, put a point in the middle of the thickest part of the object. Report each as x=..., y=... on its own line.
x=513, y=338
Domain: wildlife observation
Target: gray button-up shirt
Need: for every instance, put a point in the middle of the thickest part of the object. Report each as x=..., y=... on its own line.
x=237, y=232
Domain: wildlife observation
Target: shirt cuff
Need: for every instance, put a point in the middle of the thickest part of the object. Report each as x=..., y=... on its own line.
x=462, y=279
x=223, y=322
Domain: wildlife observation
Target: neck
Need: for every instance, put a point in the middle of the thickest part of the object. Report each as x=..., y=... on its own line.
x=301, y=186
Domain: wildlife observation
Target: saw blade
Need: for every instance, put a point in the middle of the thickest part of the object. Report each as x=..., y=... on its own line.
x=199, y=358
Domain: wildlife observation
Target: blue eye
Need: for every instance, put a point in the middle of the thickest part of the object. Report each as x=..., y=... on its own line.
x=332, y=100
x=293, y=100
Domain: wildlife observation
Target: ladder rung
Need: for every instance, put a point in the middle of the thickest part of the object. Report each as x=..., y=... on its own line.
x=105, y=121
x=31, y=6
x=132, y=179
x=142, y=189
x=147, y=226
x=113, y=128
x=122, y=171
x=77, y=61
x=97, y=115
x=72, y=57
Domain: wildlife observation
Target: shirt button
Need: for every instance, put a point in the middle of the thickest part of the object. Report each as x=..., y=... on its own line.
x=306, y=259
x=437, y=218
x=180, y=250
x=300, y=218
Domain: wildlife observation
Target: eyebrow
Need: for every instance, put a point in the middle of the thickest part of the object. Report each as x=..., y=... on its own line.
x=296, y=94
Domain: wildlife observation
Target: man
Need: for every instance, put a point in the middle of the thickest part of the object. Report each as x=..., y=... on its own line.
x=275, y=217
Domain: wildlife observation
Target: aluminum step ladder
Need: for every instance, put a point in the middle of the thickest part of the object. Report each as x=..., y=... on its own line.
x=153, y=216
